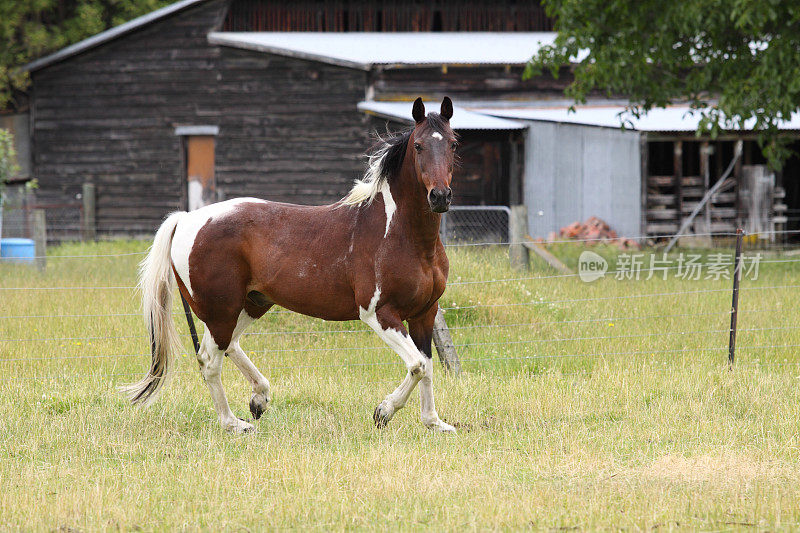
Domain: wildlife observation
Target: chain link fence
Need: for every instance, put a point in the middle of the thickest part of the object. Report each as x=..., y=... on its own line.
x=476, y=224
x=16, y=217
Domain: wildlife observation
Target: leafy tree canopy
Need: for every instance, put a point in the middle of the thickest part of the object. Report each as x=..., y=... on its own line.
x=737, y=60
x=33, y=28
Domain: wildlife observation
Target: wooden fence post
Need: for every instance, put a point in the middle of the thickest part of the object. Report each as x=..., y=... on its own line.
x=89, y=228
x=40, y=238
x=444, y=345
x=517, y=232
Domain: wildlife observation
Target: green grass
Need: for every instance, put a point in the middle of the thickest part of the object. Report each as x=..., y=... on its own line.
x=574, y=410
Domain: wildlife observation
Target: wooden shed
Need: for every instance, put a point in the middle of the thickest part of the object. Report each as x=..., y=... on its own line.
x=646, y=176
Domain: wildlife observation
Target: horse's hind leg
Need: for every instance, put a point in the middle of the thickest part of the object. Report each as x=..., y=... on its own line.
x=210, y=358
x=261, y=395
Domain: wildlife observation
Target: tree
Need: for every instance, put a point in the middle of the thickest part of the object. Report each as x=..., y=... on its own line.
x=33, y=28
x=735, y=61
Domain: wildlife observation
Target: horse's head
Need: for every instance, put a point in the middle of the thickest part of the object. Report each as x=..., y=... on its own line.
x=434, y=151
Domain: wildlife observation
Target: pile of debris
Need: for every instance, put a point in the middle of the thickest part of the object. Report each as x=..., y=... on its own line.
x=594, y=231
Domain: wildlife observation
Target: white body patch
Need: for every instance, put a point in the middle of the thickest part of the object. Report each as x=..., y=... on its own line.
x=389, y=205
x=186, y=233
x=437, y=135
x=399, y=342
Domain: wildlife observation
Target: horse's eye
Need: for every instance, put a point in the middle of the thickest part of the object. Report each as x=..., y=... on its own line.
x=454, y=146
x=417, y=147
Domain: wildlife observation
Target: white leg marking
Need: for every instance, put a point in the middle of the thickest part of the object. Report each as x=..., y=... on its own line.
x=403, y=346
x=437, y=135
x=210, y=359
x=186, y=233
x=261, y=395
x=389, y=204
x=430, y=418
x=401, y=343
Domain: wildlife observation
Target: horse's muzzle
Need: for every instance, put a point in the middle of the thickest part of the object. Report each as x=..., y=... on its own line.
x=439, y=199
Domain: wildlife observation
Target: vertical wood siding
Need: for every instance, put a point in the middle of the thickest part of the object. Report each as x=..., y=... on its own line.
x=386, y=15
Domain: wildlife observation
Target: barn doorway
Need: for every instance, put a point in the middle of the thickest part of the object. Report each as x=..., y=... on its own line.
x=198, y=144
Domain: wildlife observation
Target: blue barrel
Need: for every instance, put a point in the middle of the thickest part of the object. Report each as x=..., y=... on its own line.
x=21, y=250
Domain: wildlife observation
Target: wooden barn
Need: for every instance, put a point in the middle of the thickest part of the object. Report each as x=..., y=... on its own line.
x=206, y=99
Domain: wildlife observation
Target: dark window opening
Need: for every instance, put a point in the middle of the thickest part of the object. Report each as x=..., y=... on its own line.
x=660, y=161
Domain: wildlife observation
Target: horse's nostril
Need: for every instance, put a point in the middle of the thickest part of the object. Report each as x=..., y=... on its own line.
x=449, y=194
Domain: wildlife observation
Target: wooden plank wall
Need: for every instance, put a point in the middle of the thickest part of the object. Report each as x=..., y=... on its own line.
x=290, y=130
x=464, y=83
x=107, y=116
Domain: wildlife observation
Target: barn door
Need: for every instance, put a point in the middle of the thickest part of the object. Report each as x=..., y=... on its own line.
x=198, y=145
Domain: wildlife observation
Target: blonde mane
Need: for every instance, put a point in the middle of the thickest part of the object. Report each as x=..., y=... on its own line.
x=365, y=189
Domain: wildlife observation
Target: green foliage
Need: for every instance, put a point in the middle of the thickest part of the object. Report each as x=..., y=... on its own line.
x=8, y=158
x=737, y=58
x=33, y=28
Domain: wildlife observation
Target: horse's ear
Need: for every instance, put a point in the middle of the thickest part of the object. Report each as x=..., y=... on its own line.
x=419, y=111
x=447, y=108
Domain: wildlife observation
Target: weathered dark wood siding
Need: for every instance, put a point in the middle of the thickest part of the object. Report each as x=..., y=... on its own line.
x=290, y=130
x=387, y=15
x=108, y=116
x=466, y=83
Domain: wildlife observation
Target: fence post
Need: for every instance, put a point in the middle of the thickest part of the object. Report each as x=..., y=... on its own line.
x=517, y=231
x=89, y=228
x=737, y=273
x=444, y=344
x=40, y=238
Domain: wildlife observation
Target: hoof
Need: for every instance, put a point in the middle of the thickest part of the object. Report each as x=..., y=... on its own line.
x=440, y=426
x=239, y=426
x=382, y=415
x=258, y=404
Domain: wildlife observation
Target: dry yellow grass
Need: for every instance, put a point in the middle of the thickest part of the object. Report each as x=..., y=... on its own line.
x=654, y=432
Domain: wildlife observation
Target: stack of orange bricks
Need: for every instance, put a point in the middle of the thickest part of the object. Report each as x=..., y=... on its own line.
x=593, y=231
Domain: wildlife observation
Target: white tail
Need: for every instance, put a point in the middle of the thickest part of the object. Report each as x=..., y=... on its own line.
x=157, y=285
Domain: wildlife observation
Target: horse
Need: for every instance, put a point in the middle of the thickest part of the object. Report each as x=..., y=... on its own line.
x=375, y=255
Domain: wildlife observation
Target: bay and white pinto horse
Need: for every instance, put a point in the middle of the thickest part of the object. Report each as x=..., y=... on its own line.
x=375, y=256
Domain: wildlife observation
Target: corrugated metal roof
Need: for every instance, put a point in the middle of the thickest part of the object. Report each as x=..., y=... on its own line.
x=362, y=50
x=675, y=118
x=113, y=33
x=462, y=118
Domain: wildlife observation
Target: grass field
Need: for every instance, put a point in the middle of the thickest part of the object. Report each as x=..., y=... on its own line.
x=580, y=406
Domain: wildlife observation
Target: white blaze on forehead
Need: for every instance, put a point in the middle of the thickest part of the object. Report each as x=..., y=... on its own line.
x=188, y=227
x=388, y=204
x=437, y=135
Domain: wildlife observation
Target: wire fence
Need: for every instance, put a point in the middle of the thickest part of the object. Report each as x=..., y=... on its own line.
x=494, y=315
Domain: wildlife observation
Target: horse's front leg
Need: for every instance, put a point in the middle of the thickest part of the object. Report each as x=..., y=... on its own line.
x=389, y=327
x=421, y=331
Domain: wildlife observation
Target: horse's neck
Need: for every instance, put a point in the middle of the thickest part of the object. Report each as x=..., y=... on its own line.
x=413, y=210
